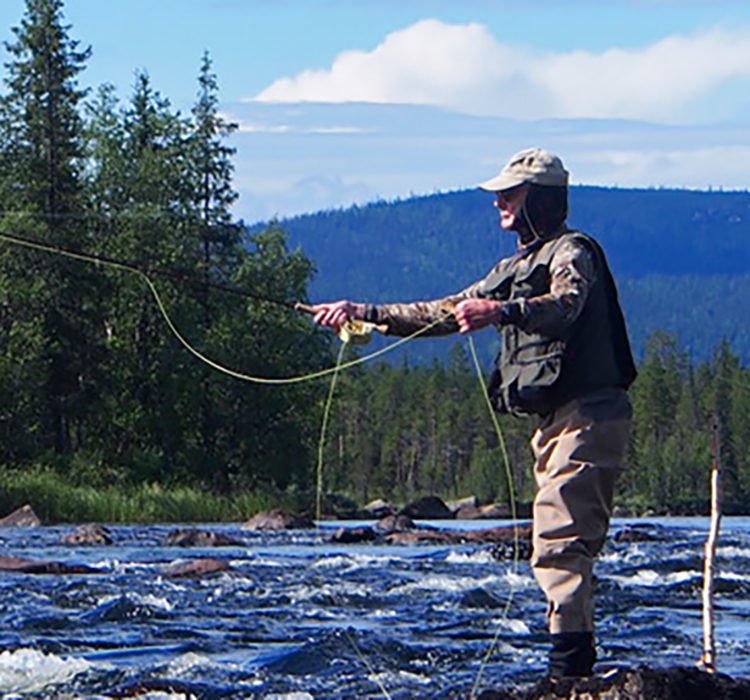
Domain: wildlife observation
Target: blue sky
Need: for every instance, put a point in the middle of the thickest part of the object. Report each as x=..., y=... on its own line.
x=344, y=101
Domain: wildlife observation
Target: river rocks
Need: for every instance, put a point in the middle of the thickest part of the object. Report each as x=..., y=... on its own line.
x=21, y=517
x=22, y=565
x=395, y=523
x=642, y=683
x=467, y=503
x=277, y=519
x=88, y=534
x=192, y=537
x=194, y=568
x=378, y=509
x=425, y=535
x=160, y=687
x=428, y=508
x=637, y=533
x=352, y=535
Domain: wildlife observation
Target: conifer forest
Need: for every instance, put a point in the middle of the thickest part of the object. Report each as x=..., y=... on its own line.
x=97, y=393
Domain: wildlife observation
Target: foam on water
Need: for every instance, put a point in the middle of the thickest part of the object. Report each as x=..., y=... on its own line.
x=483, y=556
x=29, y=670
x=147, y=599
x=733, y=552
x=450, y=584
x=511, y=625
x=652, y=579
x=306, y=592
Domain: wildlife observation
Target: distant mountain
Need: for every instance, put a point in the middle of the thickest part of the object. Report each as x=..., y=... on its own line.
x=681, y=258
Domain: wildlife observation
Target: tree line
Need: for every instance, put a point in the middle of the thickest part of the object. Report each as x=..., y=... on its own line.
x=95, y=388
x=91, y=381
x=404, y=430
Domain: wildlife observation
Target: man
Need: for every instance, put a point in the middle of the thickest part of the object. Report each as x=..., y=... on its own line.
x=565, y=357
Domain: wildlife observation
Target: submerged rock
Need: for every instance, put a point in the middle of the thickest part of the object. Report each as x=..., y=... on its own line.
x=21, y=517
x=192, y=537
x=163, y=687
x=351, y=535
x=277, y=519
x=638, y=533
x=431, y=535
x=428, y=508
x=395, y=523
x=642, y=683
x=88, y=534
x=504, y=533
x=30, y=566
x=194, y=567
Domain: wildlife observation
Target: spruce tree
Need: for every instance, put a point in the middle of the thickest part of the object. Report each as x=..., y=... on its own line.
x=43, y=154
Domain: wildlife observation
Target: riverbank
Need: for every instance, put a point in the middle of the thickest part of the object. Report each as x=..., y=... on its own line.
x=56, y=500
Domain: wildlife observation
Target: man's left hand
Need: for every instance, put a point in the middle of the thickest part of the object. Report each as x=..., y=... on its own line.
x=473, y=314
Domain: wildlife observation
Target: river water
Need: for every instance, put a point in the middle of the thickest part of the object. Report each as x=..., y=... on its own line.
x=298, y=617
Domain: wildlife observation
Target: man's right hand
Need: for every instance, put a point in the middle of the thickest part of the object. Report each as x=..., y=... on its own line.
x=335, y=314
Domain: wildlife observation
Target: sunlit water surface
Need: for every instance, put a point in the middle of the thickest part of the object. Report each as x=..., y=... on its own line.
x=297, y=617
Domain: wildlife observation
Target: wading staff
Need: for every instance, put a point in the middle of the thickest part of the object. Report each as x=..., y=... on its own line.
x=708, y=659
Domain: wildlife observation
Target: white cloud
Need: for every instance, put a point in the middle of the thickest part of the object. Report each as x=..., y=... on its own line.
x=259, y=128
x=465, y=68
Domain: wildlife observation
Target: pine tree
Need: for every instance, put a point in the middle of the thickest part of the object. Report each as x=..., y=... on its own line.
x=43, y=151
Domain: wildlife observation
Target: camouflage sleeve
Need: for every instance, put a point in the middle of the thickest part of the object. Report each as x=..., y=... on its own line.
x=573, y=271
x=405, y=319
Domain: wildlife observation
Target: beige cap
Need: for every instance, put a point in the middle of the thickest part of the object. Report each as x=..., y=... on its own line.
x=532, y=165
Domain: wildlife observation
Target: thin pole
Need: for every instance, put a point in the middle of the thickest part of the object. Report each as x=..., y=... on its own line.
x=708, y=660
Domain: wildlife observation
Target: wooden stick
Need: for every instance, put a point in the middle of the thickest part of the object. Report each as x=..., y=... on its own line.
x=708, y=660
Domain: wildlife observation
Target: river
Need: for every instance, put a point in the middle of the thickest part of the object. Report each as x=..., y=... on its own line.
x=297, y=617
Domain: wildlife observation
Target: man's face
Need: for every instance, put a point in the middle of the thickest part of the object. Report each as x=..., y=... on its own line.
x=509, y=204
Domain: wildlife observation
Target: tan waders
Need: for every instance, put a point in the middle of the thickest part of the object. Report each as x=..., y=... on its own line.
x=579, y=451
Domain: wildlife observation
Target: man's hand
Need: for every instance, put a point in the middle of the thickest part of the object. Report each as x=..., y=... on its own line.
x=335, y=314
x=473, y=314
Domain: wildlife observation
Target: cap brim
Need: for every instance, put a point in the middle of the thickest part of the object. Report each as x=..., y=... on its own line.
x=502, y=181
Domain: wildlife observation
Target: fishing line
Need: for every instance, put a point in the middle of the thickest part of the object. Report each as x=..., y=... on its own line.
x=127, y=267
x=331, y=371
x=513, y=512
x=318, y=498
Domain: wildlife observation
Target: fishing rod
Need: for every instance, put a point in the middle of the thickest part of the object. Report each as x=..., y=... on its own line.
x=170, y=274
x=352, y=330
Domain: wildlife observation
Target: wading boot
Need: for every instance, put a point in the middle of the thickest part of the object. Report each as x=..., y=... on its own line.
x=573, y=654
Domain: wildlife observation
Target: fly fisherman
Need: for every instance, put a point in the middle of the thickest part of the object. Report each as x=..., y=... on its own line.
x=565, y=358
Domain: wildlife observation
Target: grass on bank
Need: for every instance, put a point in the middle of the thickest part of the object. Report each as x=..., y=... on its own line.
x=56, y=500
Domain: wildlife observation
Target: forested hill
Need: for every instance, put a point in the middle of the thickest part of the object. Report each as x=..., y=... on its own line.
x=681, y=258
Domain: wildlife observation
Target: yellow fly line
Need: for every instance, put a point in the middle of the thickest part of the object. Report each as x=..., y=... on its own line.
x=353, y=332
x=349, y=331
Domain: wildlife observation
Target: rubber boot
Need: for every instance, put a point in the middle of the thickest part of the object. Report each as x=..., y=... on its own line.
x=573, y=654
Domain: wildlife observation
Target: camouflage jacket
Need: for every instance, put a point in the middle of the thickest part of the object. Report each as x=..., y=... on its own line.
x=573, y=271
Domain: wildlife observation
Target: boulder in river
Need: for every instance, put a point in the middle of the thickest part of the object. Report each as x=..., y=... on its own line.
x=377, y=509
x=88, y=533
x=395, y=523
x=22, y=565
x=468, y=502
x=192, y=537
x=642, y=683
x=277, y=519
x=352, y=535
x=21, y=517
x=184, y=568
x=428, y=508
x=638, y=533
